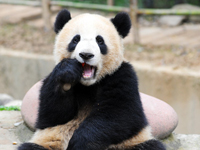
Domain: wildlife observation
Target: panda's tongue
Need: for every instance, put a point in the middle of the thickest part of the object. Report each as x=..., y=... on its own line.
x=88, y=71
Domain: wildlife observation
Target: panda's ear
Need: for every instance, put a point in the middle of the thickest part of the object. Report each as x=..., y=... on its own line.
x=122, y=23
x=62, y=18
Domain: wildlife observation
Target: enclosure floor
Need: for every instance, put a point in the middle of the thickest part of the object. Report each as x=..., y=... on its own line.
x=8, y=122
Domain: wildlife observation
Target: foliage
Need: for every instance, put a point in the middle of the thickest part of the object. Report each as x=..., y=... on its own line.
x=10, y=108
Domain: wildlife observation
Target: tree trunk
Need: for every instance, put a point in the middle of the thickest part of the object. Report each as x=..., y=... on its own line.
x=133, y=15
x=46, y=14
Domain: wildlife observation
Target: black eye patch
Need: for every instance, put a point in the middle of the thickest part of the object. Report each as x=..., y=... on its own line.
x=72, y=45
x=101, y=44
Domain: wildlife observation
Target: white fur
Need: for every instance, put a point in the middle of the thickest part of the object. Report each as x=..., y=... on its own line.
x=89, y=26
x=88, y=45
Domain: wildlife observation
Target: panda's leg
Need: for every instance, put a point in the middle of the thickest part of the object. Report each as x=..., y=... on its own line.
x=46, y=139
x=150, y=145
x=142, y=141
x=142, y=136
x=54, y=138
x=30, y=146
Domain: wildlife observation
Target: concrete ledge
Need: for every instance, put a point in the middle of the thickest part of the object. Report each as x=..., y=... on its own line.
x=182, y=142
x=178, y=87
x=20, y=71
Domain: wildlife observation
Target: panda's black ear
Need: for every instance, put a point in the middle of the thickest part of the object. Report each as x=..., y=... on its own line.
x=62, y=18
x=122, y=23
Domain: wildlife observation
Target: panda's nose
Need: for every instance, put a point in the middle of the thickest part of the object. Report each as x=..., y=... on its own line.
x=86, y=56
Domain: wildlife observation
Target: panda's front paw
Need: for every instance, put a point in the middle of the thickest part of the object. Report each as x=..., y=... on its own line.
x=67, y=71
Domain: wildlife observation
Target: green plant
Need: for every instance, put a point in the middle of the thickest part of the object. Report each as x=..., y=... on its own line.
x=10, y=108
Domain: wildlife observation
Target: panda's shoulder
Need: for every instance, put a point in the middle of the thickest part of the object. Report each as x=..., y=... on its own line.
x=126, y=70
x=126, y=66
x=124, y=75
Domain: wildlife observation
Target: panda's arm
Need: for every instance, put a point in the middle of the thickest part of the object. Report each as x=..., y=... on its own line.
x=117, y=115
x=56, y=105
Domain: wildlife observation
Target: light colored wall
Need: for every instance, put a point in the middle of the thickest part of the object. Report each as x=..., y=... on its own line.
x=179, y=88
x=19, y=71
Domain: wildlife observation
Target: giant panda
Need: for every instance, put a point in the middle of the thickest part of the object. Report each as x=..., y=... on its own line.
x=90, y=101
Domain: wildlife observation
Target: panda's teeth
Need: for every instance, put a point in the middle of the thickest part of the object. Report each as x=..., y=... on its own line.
x=88, y=71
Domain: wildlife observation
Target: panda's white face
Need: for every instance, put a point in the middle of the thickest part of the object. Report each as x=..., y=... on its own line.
x=88, y=53
x=94, y=42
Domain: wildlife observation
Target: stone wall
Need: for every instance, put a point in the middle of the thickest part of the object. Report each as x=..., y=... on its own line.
x=20, y=70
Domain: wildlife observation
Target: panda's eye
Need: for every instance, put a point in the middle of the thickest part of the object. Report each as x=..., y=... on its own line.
x=72, y=45
x=76, y=39
x=100, y=40
x=101, y=44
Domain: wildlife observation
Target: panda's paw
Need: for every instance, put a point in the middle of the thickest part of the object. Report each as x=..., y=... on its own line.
x=67, y=71
x=30, y=146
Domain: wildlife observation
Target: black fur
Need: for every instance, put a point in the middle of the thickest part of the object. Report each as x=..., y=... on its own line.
x=56, y=105
x=30, y=146
x=101, y=44
x=62, y=18
x=116, y=114
x=72, y=45
x=122, y=23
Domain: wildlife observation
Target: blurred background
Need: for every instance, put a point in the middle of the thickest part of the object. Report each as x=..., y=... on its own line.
x=163, y=46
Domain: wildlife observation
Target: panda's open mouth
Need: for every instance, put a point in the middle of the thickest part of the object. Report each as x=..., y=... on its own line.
x=88, y=71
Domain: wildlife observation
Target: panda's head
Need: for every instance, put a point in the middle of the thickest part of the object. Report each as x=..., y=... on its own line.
x=93, y=40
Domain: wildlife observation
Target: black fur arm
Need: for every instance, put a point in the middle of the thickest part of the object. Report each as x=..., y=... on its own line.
x=116, y=116
x=56, y=105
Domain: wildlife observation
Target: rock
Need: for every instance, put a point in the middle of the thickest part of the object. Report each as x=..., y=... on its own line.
x=10, y=134
x=182, y=142
x=189, y=7
x=14, y=103
x=175, y=20
x=7, y=136
x=4, y=99
x=9, y=118
x=29, y=108
x=171, y=20
x=162, y=118
x=186, y=7
x=23, y=133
